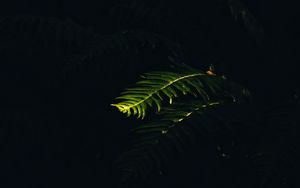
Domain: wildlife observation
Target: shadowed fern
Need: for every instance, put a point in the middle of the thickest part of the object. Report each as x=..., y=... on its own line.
x=240, y=12
x=153, y=144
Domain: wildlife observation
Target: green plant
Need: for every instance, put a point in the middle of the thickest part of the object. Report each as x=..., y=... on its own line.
x=217, y=110
x=177, y=107
x=176, y=121
x=158, y=85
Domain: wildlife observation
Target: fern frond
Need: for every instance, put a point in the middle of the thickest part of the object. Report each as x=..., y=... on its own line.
x=277, y=155
x=156, y=86
x=240, y=12
x=153, y=144
x=129, y=42
x=62, y=39
x=51, y=33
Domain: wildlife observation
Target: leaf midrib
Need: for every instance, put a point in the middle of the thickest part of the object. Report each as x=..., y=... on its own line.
x=160, y=89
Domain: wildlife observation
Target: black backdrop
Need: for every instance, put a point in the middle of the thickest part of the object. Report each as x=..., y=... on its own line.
x=65, y=151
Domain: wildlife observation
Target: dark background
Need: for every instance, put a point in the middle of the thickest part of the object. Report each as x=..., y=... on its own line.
x=57, y=131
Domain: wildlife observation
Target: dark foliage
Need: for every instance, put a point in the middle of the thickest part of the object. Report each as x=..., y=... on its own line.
x=58, y=77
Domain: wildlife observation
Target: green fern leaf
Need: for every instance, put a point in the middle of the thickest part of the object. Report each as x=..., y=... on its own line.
x=154, y=143
x=157, y=86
